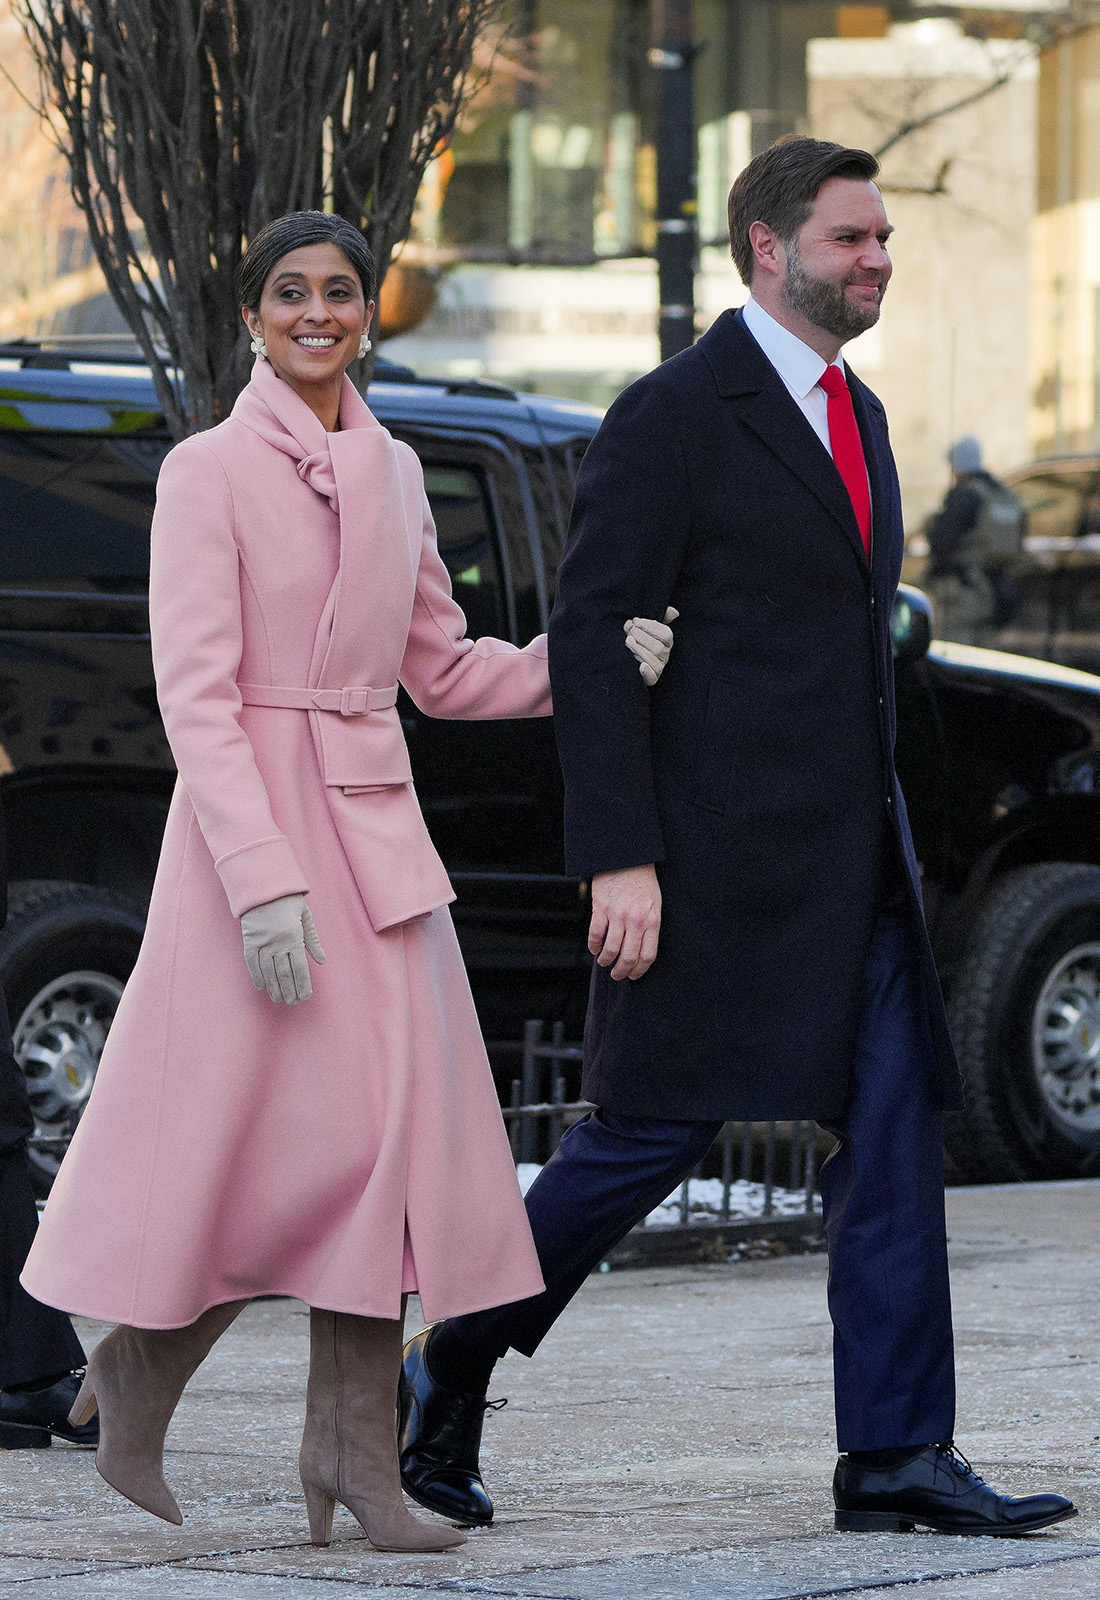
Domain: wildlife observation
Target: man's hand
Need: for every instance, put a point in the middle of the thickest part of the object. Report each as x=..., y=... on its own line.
x=626, y=920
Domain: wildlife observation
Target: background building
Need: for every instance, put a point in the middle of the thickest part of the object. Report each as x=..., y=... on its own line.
x=949, y=355
x=531, y=255
x=1065, y=246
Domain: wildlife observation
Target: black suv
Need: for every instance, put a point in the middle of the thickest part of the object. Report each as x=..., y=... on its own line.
x=999, y=758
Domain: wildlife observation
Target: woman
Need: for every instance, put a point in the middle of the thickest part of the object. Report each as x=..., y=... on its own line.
x=349, y=1150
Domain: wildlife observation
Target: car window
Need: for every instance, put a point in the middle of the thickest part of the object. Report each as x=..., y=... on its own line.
x=1055, y=501
x=467, y=542
x=75, y=511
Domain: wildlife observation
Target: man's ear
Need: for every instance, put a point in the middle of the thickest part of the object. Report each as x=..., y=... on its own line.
x=767, y=250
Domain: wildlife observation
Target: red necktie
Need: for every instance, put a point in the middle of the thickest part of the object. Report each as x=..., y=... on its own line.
x=848, y=449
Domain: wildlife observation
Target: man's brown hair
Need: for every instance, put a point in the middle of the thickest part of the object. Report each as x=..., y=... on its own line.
x=780, y=185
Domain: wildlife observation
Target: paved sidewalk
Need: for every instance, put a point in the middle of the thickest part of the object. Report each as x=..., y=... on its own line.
x=673, y=1441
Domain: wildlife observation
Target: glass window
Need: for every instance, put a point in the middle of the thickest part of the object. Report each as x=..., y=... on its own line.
x=467, y=543
x=76, y=510
x=546, y=154
x=1053, y=502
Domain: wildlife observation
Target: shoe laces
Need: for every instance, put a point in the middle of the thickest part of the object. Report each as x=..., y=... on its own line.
x=953, y=1457
x=495, y=1405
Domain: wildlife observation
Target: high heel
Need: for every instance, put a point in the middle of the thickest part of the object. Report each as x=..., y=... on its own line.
x=319, y=1509
x=349, y=1443
x=85, y=1406
x=134, y=1379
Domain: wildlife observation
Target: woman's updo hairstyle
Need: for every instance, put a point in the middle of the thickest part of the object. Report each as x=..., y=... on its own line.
x=284, y=234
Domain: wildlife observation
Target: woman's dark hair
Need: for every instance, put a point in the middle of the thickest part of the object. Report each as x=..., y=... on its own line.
x=283, y=234
x=780, y=185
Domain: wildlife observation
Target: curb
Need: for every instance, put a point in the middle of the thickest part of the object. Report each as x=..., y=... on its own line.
x=711, y=1242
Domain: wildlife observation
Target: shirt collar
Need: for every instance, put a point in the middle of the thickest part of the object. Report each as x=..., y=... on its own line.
x=798, y=365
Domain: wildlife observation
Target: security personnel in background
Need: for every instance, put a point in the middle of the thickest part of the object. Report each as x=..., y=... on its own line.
x=975, y=539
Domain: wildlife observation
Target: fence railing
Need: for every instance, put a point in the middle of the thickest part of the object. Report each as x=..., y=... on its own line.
x=763, y=1169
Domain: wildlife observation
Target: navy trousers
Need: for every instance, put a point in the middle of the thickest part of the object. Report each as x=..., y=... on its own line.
x=35, y=1340
x=882, y=1193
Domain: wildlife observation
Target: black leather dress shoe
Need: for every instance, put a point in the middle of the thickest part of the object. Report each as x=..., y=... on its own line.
x=438, y=1440
x=938, y=1489
x=30, y=1419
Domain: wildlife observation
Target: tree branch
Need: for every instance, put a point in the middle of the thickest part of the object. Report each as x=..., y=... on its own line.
x=187, y=124
x=914, y=124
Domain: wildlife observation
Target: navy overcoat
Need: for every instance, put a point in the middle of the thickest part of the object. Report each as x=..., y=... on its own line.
x=759, y=773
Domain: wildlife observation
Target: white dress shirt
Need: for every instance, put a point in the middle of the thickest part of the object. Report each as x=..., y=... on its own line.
x=798, y=366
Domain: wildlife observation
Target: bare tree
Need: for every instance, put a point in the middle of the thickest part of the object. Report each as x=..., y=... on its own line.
x=189, y=123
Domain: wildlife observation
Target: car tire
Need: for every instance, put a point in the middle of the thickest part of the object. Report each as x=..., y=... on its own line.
x=1024, y=1010
x=65, y=954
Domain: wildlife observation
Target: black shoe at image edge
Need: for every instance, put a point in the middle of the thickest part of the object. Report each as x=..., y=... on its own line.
x=439, y=1439
x=938, y=1489
x=31, y=1418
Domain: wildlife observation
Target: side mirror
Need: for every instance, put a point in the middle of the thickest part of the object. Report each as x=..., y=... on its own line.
x=910, y=624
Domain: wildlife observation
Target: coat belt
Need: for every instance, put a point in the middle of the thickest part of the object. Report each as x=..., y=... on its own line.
x=348, y=702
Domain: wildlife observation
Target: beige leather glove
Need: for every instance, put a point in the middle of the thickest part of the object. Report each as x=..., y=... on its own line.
x=276, y=938
x=651, y=643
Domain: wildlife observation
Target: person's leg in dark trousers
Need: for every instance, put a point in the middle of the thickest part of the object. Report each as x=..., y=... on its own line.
x=882, y=1191
x=606, y=1175
x=38, y=1345
x=888, y=1285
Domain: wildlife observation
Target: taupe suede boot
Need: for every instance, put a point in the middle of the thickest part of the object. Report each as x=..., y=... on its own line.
x=135, y=1378
x=349, y=1444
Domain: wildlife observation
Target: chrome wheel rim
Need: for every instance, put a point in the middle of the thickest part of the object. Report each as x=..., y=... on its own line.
x=58, y=1041
x=1065, y=1040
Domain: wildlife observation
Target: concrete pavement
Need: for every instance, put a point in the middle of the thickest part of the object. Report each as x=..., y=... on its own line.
x=672, y=1441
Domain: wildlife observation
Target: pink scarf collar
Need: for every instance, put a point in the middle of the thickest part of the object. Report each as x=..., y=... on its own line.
x=271, y=409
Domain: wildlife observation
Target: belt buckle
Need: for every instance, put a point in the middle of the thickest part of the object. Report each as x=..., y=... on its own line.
x=355, y=702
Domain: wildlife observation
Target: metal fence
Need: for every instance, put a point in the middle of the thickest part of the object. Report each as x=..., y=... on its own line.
x=771, y=1167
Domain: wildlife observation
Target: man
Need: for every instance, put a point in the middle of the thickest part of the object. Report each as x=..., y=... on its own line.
x=760, y=948
x=975, y=539
x=40, y=1354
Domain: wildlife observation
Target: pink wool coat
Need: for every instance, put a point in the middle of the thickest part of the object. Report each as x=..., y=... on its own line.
x=351, y=1147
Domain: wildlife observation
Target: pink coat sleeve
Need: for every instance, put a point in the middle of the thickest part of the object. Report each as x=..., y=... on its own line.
x=195, y=621
x=448, y=675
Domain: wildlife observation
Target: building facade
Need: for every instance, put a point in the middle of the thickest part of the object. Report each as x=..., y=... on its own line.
x=532, y=245
x=1065, y=245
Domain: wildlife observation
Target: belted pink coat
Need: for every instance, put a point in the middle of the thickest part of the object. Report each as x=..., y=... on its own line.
x=350, y=1148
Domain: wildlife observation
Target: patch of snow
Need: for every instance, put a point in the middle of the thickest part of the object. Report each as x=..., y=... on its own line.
x=746, y=1202
x=705, y=1200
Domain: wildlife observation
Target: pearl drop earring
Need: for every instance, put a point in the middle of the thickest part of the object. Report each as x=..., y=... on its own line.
x=258, y=347
x=364, y=346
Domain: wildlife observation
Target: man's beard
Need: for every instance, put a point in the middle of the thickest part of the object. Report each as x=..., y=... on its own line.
x=824, y=303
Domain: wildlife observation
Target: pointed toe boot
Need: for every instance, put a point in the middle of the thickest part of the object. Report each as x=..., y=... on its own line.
x=134, y=1380
x=349, y=1444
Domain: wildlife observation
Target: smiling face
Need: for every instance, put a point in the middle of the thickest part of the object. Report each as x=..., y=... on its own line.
x=311, y=316
x=830, y=278
x=837, y=264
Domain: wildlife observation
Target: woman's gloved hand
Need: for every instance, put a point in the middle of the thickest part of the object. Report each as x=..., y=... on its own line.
x=651, y=643
x=276, y=938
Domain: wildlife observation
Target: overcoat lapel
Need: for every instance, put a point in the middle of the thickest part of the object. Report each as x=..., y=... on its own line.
x=376, y=579
x=872, y=431
x=745, y=376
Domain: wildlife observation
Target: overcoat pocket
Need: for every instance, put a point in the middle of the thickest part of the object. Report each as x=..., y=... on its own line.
x=719, y=747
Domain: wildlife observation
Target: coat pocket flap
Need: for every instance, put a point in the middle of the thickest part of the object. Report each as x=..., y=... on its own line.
x=392, y=857
x=362, y=752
